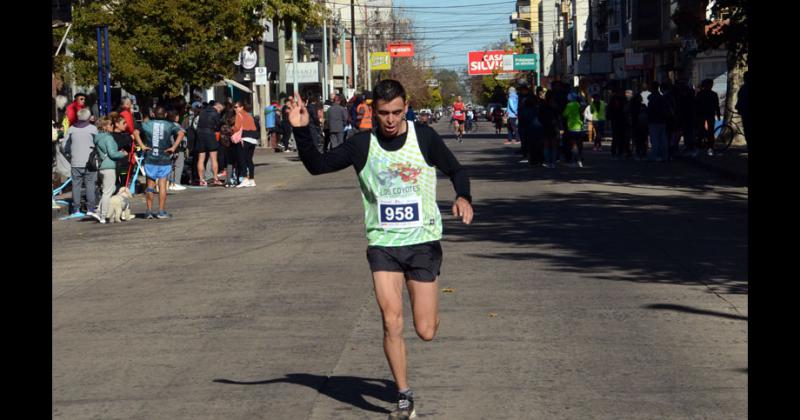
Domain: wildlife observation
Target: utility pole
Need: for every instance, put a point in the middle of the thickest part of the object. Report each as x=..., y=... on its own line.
x=330, y=34
x=366, y=46
x=281, y=58
x=343, y=53
x=295, y=88
x=263, y=92
x=353, y=41
x=325, y=59
x=355, y=64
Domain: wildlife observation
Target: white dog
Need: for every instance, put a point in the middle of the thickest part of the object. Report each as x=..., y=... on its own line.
x=119, y=206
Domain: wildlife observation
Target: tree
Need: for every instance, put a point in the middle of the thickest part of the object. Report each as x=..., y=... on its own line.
x=728, y=28
x=449, y=85
x=413, y=78
x=157, y=46
x=436, y=98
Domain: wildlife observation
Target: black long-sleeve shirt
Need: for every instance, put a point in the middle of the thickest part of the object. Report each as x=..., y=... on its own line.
x=355, y=150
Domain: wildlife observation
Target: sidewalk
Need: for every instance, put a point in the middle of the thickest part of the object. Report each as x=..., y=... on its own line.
x=262, y=156
x=731, y=164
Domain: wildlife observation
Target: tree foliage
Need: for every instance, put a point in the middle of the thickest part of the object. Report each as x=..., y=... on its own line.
x=728, y=27
x=449, y=85
x=413, y=78
x=157, y=46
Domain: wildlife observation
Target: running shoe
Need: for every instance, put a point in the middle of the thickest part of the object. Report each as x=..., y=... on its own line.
x=95, y=215
x=405, y=408
x=163, y=215
x=148, y=214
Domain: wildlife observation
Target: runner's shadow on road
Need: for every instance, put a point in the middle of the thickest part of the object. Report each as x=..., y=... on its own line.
x=347, y=389
x=690, y=310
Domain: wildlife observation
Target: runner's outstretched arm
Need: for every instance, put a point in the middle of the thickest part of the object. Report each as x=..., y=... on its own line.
x=316, y=163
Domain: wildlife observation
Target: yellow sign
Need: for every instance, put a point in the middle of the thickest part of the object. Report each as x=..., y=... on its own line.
x=380, y=61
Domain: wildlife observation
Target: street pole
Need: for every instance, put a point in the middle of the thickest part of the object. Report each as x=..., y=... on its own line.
x=108, y=71
x=332, y=60
x=295, y=89
x=325, y=59
x=343, y=53
x=369, y=71
x=369, y=59
x=281, y=58
x=101, y=79
x=353, y=42
x=355, y=64
x=264, y=91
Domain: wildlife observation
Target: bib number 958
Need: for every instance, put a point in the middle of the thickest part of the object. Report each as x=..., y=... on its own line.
x=399, y=215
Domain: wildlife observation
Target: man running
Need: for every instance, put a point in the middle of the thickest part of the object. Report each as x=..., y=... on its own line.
x=395, y=164
x=459, y=117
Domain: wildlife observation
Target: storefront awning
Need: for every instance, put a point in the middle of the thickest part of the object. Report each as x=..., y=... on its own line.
x=237, y=85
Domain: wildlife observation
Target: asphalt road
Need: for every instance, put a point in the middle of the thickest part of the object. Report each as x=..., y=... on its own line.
x=613, y=291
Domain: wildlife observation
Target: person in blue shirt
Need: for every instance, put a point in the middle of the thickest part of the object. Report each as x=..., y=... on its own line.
x=270, y=114
x=410, y=115
x=511, y=112
x=158, y=157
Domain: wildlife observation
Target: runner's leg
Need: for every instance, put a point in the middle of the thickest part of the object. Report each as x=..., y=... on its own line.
x=389, y=293
x=162, y=193
x=151, y=183
x=425, y=306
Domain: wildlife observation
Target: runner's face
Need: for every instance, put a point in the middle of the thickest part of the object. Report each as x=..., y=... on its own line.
x=391, y=115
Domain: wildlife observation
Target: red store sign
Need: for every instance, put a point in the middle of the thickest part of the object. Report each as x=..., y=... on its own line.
x=485, y=62
x=401, y=49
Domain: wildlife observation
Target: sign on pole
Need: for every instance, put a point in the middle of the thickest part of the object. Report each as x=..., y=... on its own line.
x=508, y=61
x=261, y=75
x=486, y=62
x=525, y=61
x=380, y=60
x=401, y=49
x=432, y=83
x=306, y=72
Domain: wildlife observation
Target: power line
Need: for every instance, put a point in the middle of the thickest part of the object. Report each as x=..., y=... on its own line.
x=423, y=7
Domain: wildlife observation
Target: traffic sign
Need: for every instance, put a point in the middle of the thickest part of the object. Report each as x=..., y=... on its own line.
x=261, y=75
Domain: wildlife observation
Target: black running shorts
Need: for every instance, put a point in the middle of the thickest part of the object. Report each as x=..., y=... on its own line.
x=417, y=262
x=206, y=141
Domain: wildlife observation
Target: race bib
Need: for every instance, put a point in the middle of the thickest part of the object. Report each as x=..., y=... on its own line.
x=400, y=213
x=457, y=113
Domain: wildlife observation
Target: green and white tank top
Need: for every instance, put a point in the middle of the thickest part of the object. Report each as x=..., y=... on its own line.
x=398, y=190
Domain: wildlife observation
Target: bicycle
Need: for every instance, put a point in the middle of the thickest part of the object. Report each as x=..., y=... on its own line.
x=725, y=133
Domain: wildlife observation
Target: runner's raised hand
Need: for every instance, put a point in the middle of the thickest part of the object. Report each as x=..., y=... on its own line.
x=298, y=114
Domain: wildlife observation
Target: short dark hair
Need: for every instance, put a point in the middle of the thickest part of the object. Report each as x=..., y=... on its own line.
x=161, y=113
x=77, y=95
x=387, y=90
x=654, y=87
